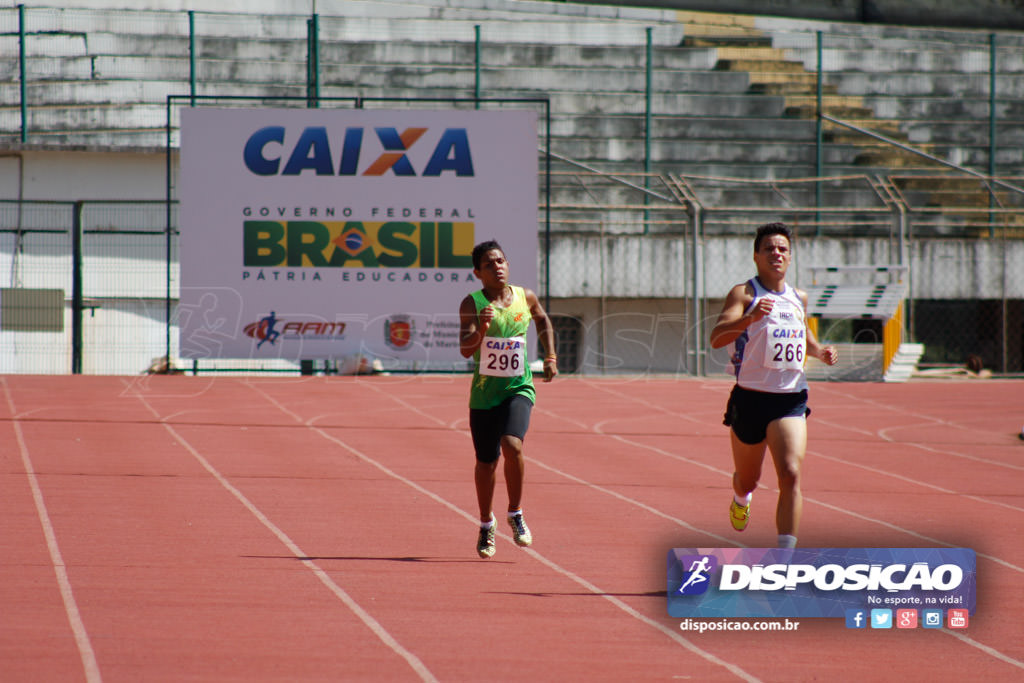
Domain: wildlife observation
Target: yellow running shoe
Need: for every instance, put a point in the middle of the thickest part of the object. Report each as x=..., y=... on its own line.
x=739, y=515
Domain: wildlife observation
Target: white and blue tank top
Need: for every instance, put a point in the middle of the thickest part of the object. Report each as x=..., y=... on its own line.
x=769, y=355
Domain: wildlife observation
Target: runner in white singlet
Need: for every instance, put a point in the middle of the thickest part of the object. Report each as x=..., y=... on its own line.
x=763, y=322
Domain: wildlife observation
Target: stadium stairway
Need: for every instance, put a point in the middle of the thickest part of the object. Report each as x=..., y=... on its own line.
x=908, y=90
x=904, y=363
x=863, y=363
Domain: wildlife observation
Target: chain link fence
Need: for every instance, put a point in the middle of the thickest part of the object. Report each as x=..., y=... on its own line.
x=959, y=267
x=615, y=311
x=673, y=135
x=114, y=273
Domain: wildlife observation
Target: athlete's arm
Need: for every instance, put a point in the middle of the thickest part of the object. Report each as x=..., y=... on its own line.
x=545, y=333
x=472, y=328
x=735, y=318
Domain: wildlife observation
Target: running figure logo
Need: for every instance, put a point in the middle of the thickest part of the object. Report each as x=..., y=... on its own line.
x=266, y=331
x=697, y=577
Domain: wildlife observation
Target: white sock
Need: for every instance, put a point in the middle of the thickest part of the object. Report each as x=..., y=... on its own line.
x=488, y=524
x=743, y=501
x=513, y=514
x=787, y=541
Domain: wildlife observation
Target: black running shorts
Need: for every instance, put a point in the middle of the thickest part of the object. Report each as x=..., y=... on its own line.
x=487, y=426
x=749, y=412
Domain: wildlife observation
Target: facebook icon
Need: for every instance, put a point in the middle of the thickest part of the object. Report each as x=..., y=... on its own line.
x=856, y=618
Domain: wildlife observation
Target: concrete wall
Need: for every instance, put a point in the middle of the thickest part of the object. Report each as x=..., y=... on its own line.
x=64, y=176
x=995, y=14
x=381, y=8
x=639, y=266
x=583, y=266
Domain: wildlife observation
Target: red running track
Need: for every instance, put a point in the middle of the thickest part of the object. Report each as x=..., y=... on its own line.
x=323, y=529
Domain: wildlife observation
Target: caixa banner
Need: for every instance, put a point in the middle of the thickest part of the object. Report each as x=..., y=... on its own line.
x=325, y=233
x=817, y=582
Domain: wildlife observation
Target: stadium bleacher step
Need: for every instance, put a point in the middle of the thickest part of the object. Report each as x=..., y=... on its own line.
x=744, y=76
x=904, y=363
x=746, y=41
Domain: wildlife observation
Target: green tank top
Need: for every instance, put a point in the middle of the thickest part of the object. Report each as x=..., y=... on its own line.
x=502, y=356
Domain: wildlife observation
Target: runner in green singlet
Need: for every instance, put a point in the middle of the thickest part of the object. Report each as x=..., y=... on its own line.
x=493, y=326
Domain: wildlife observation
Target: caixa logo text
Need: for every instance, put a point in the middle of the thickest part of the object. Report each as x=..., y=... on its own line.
x=504, y=344
x=274, y=150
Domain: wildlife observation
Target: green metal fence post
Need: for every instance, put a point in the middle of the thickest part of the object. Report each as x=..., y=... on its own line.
x=192, y=56
x=313, y=61
x=819, y=161
x=547, y=204
x=699, y=291
x=476, y=65
x=991, y=129
x=648, y=79
x=76, y=288
x=21, y=73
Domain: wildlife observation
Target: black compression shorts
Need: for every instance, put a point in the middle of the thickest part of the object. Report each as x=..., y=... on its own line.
x=487, y=426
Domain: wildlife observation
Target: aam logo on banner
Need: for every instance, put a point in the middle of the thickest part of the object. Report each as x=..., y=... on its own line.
x=269, y=329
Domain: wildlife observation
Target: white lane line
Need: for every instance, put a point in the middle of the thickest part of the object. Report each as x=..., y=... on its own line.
x=928, y=421
x=923, y=447
x=814, y=500
x=810, y=499
x=375, y=626
x=732, y=668
x=643, y=506
x=85, y=651
x=984, y=648
x=914, y=482
x=625, y=440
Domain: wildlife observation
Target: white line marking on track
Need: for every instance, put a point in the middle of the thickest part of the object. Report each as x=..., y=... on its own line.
x=928, y=420
x=985, y=648
x=643, y=506
x=814, y=500
x=810, y=499
x=923, y=447
x=732, y=668
x=583, y=582
x=896, y=527
x=737, y=671
x=88, y=656
x=375, y=626
x=912, y=481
